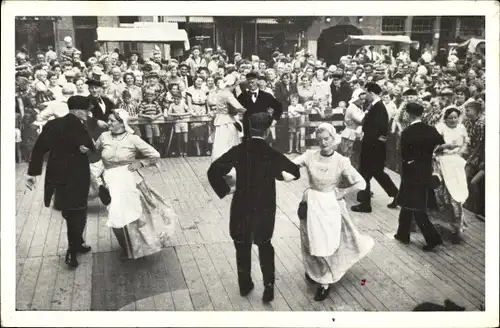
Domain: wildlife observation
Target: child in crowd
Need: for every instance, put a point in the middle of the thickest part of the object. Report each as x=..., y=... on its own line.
x=18, y=138
x=180, y=110
x=132, y=109
x=295, y=120
x=150, y=110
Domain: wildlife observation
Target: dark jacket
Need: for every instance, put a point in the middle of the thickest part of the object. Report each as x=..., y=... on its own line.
x=375, y=125
x=253, y=206
x=264, y=102
x=342, y=93
x=283, y=95
x=68, y=169
x=418, y=142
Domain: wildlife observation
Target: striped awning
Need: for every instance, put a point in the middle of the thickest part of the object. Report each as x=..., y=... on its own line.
x=201, y=19
x=266, y=21
x=174, y=19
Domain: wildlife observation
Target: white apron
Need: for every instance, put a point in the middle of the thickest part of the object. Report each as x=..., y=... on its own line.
x=453, y=172
x=324, y=222
x=125, y=206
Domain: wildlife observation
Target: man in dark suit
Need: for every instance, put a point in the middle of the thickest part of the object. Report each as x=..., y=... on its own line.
x=373, y=150
x=340, y=89
x=68, y=171
x=418, y=143
x=185, y=77
x=284, y=90
x=257, y=101
x=100, y=106
x=253, y=207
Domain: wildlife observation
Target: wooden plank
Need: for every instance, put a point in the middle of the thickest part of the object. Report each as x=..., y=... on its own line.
x=40, y=233
x=197, y=290
x=173, y=267
x=164, y=302
x=82, y=289
x=27, y=283
x=227, y=278
x=182, y=300
x=29, y=228
x=216, y=291
x=19, y=268
x=44, y=289
x=53, y=234
x=104, y=232
x=432, y=279
x=63, y=290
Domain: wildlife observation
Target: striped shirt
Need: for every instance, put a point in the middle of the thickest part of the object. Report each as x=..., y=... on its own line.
x=131, y=108
x=150, y=109
x=67, y=53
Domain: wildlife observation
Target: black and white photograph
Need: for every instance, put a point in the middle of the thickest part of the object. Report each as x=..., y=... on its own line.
x=244, y=164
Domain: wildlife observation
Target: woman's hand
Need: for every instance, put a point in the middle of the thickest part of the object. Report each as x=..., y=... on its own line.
x=102, y=124
x=135, y=166
x=340, y=195
x=83, y=149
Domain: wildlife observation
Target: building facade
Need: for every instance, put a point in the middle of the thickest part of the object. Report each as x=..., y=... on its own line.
x=250, y=35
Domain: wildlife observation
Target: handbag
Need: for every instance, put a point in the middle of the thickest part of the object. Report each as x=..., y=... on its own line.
x=302, y=210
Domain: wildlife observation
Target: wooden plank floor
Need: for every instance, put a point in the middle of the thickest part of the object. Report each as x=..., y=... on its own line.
x=198, y=270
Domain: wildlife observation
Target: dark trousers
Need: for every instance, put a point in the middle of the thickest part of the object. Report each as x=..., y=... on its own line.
x=75, y=223
x=382, y=178
x=406, y=216
x=244, y=262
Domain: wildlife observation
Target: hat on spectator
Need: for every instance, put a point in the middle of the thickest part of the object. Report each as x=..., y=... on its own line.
x=153, y=74
x=260, y=121
x=67, y=89
x=356, y=94
x=337, y=75
x=68, y=39
x=94, y=82
x=426, y=96
x=208, y=50
x=473, y=104
x=69, y=73
x=78, y=102
x=414, y=109
x=446, y=92
x=373, y=87
x=251, y=75
x=183, y=65
x=261, y=77
x=410, y=92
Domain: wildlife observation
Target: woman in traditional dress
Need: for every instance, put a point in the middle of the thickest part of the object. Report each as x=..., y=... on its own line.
x=353, y=118
x=140, y=218
x=453, y=190
x=226, y=134
x=331, y=243
x=196, y=97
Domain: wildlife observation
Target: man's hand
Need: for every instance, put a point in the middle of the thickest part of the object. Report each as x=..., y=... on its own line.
x=83, y=149
x=273, y=123
x=31, y=183
x=382, y=138
x=102, y=124
x=233, y=189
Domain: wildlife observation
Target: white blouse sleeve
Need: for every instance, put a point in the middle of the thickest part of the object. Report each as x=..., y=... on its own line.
x=141, y=146
x=351, y=175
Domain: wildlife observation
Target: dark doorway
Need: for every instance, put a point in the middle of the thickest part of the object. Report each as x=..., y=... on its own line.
x=329, y=50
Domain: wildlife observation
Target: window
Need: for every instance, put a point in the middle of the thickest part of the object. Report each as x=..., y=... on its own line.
x=128, y=19
x=85, y=21
x=472, y=25
x=394, y=25
x=161, y=19
x=423, y=24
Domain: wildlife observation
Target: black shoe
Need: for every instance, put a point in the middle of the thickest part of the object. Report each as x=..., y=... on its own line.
x=309, y=279
x=430, y=247
x=393, y=204
x=455, y=239
x=362, y=208
x=268, y=295
x=71, y=259
x=104, y=195
x=321, y=293
x=84, y=249
x=244, y=291
x=404, y=241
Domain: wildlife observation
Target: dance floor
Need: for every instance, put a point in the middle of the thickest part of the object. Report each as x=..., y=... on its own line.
x=198, y=271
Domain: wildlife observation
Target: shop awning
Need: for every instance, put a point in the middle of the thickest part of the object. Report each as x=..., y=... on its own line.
x=201, y=19
x=143, y=34
x=362, y=40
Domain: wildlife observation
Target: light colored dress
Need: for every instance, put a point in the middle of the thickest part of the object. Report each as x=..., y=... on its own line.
x=199, y=97
x=453, y=191
x=226, y=135
x=331, y=243
x=348, y=147
x=136, y=211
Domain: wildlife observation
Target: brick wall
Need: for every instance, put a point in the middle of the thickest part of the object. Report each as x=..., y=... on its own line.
x=108, y=21
x=64, y=28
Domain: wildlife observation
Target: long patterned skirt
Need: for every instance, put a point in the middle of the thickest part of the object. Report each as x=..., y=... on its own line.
x=352, y=248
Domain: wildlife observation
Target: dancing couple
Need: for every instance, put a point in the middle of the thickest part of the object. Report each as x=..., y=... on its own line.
x=140, y=218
